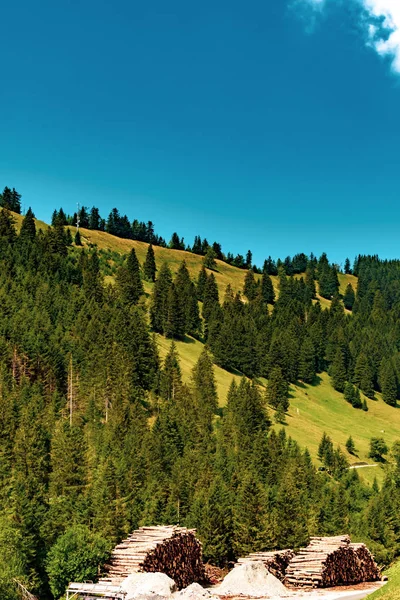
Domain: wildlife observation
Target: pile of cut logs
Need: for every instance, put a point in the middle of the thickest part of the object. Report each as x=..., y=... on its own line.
x=174, y=551
x=276, y=562
x=331, y=561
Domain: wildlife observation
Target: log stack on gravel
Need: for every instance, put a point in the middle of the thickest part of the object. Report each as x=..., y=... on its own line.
x=276, y=562
x=172, y=550
x=331, y=561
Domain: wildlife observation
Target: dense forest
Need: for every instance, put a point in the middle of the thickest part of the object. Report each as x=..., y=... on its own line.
x=98, y=435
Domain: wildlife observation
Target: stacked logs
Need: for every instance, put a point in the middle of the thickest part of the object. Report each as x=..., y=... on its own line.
x=276, y=562
x=174, y=551
x=329, y=562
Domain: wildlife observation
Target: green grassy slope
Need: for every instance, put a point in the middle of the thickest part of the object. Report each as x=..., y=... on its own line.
x=313, y=409
x=391, y=591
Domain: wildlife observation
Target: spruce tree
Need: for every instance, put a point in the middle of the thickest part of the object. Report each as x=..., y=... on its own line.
x=211, y=297
x=159, y=299
x=338, y=371
x=350, y=446
x=205, y=389
x=171, y=376
x=250, y=286
x=325, y=451
x=77, y=239
x=28, y=227
x=363, y=375
x=349, y=392
x=129, y=280
x=356, y=401
x=267, y=289
x=349, y=297
x=8, y=234
x=388, y=382
x=201, y=283
x=309, y=281
x=174, y=326
x=347, y=268
x=149, y=267
x=209, y=261
x=278, y=390
x=307, y=361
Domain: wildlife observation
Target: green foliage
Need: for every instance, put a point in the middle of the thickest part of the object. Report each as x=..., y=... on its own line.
x=350, y=446
x=95, y=433
x=129, y=280
x=76, y=556
x=349, y=297
x=378, y=449
x=209, y=261
x=77, y=238
x=388, y=383
x=159, y=300
x=250, y=286
x=149, y=267
x=307, y=361
x=338, y=371
x=278, y=390
x=12, y=560
x=267, y=289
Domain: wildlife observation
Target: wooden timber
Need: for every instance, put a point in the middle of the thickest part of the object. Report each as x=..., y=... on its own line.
x=172, y=550
x=276, y=561
x=331, y=561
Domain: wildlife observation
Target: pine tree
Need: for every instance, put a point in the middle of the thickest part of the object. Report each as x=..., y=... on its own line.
x=28, y=227
x=363, y=376
x=377, y=449
x=356, y=401
x=149, y=267
x=307, y=361
x=338, y=371
x=209, y=261
x=196, y=248
x=174, y=326
x=310, y=283
x=129, y=281
x=249, y=260
x=201, y=283
x=159, y=299
x=205, y=389
x=250, y=286
x=349, y=297
x=350, y=446
x=211, y=297
x=325, y=450
x=8, y=234
x=171, y=376
x=388, y=382
x=349, y=392
x=267, y=289
x=77, y=239
x=278, y=390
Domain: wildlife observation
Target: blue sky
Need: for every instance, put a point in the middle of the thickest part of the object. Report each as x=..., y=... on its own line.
x=270, y=125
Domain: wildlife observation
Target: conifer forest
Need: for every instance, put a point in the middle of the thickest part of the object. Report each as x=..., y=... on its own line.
x=99, y=435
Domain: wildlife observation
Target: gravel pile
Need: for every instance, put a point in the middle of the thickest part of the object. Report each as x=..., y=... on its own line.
x=251, y=579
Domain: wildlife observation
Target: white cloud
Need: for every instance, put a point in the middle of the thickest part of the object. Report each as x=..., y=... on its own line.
x=389, y=12
x=381, y=23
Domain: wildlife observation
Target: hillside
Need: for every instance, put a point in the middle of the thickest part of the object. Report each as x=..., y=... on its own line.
x=99, y=436
x=313, y=408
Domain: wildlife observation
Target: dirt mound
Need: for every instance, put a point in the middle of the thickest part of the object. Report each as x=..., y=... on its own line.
x=140, y=585
x=251, y=579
